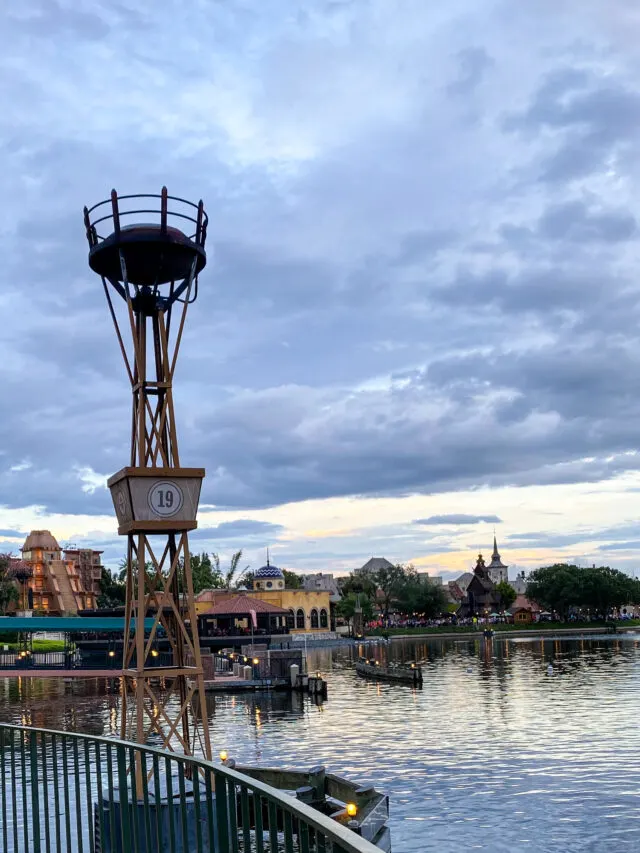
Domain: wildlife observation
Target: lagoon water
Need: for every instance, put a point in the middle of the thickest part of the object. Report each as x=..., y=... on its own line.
x=494, y=753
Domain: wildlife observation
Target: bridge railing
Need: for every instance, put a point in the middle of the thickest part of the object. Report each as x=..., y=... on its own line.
x=62, y=792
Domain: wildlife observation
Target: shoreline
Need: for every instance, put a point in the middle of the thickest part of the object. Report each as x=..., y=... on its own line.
x=524, y=632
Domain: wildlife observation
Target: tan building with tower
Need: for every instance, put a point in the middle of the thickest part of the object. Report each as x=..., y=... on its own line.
x=308, y=611
x=62, y=582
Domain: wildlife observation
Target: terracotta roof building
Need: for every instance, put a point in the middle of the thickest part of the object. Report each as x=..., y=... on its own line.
x=524, y=610
x=237, y=614
x=241, y=605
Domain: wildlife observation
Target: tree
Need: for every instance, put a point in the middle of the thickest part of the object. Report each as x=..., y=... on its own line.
x=231, y=578
x=599, y=588
x=604, y=588
x=292, y=580
x=556, y=587
x=357, y=582
x=416, y=593
x=122, y=568
x=247, y=579
x=112, y=589
x=346, y=607
x=8, y=590
x=389, y=581
x=507, y=594
x=204, y=574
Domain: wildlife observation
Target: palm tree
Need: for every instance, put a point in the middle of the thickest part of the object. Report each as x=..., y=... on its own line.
x=232, y=580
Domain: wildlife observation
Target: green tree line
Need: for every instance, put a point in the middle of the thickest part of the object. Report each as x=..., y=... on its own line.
x=563, y=587
x=392, y=588
x=207, y=572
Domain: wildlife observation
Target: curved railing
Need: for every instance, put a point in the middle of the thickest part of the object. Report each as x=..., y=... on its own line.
x=65, y=792
x=165, y=214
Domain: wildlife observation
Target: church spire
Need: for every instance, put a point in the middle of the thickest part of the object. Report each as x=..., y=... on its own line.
x=497, y=569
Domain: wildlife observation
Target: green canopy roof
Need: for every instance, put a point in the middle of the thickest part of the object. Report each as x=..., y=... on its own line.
x=65, y=624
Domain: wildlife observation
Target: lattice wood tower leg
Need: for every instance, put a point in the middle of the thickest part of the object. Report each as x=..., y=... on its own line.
x=156, y=500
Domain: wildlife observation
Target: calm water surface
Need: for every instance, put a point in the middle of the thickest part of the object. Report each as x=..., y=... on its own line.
x=492, y=754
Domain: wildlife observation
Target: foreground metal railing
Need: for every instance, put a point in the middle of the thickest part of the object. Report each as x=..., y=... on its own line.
x=70, y=792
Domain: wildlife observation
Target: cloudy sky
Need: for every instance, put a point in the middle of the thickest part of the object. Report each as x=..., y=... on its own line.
x=420, y=316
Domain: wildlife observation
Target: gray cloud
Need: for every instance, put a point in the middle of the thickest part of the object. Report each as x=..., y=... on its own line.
x=474, y=62
x=573, y=221
x=393, y=305
x=243, y=528
x=458, y=518
x=596, y=118
x=632, y=545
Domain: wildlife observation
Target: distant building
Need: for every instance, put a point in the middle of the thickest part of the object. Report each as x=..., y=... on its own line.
x=308, y=610
x=496, y=569
x=463, y=581
x=519, y=584
x=523, y=610
x=375, y=564
x=56, y=586
x=480, y=597
x=268, y=577
x=454, y=594
x=322, y=582
x=89, y=567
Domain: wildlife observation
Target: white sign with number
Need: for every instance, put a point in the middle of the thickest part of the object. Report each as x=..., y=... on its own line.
x=165, y=498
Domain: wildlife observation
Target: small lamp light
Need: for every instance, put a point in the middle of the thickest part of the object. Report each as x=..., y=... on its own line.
x=413, y=666
x=256, y=661
x=112, y=654
x=154, y=653
x=223, y=755
x=352, y=809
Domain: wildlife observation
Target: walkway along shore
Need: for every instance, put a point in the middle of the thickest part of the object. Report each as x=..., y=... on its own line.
x=533, y=633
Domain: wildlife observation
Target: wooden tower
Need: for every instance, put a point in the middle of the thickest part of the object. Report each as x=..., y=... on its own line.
x=153, y=269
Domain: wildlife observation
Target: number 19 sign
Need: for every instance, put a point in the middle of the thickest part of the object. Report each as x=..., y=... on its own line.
x=146, y=500
x=165, y=498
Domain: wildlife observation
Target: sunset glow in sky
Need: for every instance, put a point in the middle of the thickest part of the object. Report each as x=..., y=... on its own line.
x=419, y=320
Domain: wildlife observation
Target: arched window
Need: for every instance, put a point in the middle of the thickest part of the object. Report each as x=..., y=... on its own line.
x=324, y=621
x=291, y=618
x=314, y=618
x=300, y=619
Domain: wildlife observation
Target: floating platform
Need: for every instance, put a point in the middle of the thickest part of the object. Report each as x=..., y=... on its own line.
x=401, y=674
x=314, y=685
x=236, y=684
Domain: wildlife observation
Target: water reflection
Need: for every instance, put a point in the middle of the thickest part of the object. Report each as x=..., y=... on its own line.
x=494, y=753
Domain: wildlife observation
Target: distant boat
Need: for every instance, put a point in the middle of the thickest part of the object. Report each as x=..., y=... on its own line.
x=404, y=674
